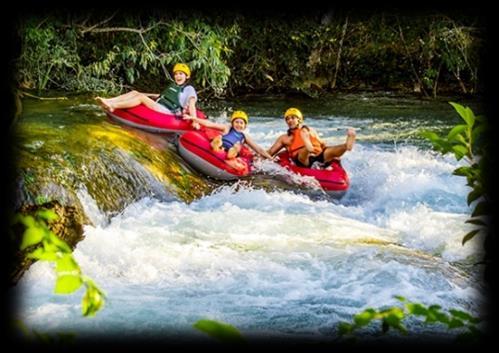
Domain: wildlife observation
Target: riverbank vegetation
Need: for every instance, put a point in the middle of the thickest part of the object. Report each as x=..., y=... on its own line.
x=234, y=53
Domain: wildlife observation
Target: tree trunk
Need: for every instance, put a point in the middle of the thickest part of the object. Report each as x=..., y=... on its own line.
x=338, y=58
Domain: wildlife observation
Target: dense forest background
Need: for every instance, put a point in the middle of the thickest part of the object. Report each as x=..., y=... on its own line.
x=237, y=52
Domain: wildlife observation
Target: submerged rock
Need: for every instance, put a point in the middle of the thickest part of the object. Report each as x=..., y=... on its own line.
x=68, y=227
x=74, y=160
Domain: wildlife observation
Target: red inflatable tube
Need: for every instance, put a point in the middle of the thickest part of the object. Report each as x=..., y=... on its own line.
x=195, y=148
x=150, y=120
x=333, y=180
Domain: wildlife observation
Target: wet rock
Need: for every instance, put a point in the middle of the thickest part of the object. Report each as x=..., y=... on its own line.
x=68, y=227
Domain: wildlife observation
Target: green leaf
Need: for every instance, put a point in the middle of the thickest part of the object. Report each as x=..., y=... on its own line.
x=67, y=263
x=434, y=314
x=465, y=113
x=454, y=323
x=220, y=331
x=463, y=171
x=474, y=195
x=47, y=215
x=92, y=301
x=477, y=222
x=67, y=284
x=462, y=315
x=28, y=221
x=417, y=309
x=32, y=236
x=470, y=236
x=400, y=298
x=481, y=209
x=456, y=130
x=460, y=151
x=42, y=254
x=395, y=321
x=430, y=135
x=344, y=328
x=59, y=244
x=364, y=317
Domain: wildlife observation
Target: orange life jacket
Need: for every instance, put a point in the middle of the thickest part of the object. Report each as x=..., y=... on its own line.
x=297, y=143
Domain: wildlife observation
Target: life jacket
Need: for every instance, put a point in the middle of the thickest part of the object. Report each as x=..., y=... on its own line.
x=170, y=97
x=231, y=138
x=297, y=142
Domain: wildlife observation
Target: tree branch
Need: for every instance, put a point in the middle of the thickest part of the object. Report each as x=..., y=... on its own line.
x=90, y=29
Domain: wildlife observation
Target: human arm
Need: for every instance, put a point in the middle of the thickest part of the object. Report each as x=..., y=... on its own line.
x=305, y=135
x=187, y=99
x=191, y=106
x=256, y=147
x=276, y=147
x=205, y=122
x=152, y=95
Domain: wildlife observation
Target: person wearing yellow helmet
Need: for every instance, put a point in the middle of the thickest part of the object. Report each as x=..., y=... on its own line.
x=232, y=136
x=304, y=145
x=178, y=97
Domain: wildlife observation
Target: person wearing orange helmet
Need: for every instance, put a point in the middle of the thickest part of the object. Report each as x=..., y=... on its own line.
x=304, y=145
x=232, y=136
x=179, y=97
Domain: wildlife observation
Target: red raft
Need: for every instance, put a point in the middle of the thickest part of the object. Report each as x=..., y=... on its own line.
x=195, y=148
x=333, y=180
x=150, y=120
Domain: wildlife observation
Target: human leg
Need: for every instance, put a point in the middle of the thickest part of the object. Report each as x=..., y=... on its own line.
x=236, y=163
x=110, y=103
x=233, y=151
x=104, y=103
x=216, y=143
x=350, y=138
x=332, y=152
x=303, y=157
x=133, y=101
x=127, y=100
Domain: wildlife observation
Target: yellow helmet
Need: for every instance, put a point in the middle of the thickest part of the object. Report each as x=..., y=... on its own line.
x=182, y=68
x=239, y=114
x=295, y=112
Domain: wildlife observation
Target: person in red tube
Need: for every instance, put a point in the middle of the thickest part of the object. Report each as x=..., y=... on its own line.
x=232, y=137
x=304, y=146
x=179, y=97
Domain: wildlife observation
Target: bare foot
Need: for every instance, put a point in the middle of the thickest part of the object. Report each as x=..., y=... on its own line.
x=237, y=164
x=350, y=139
x=196, y=125
x=104, y=104
x=216, y=143
x=232, y=153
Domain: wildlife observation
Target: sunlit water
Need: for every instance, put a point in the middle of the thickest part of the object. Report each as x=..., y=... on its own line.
x=278, y=264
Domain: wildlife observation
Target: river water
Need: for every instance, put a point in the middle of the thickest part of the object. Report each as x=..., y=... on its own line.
x=282, y=263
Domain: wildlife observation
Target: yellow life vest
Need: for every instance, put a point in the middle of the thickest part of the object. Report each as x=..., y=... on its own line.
x=297, y=143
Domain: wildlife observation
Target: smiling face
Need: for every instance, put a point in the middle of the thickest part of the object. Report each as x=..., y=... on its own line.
x=180, y=77
x=293, y=121
x=238, y=124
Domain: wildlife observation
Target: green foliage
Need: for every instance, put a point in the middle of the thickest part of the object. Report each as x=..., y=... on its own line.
x=48, y=247
x=229, y=52
x=80, y=58
x=467, y=141
x=220, y=331
x=48, y=54
x=393, y=317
